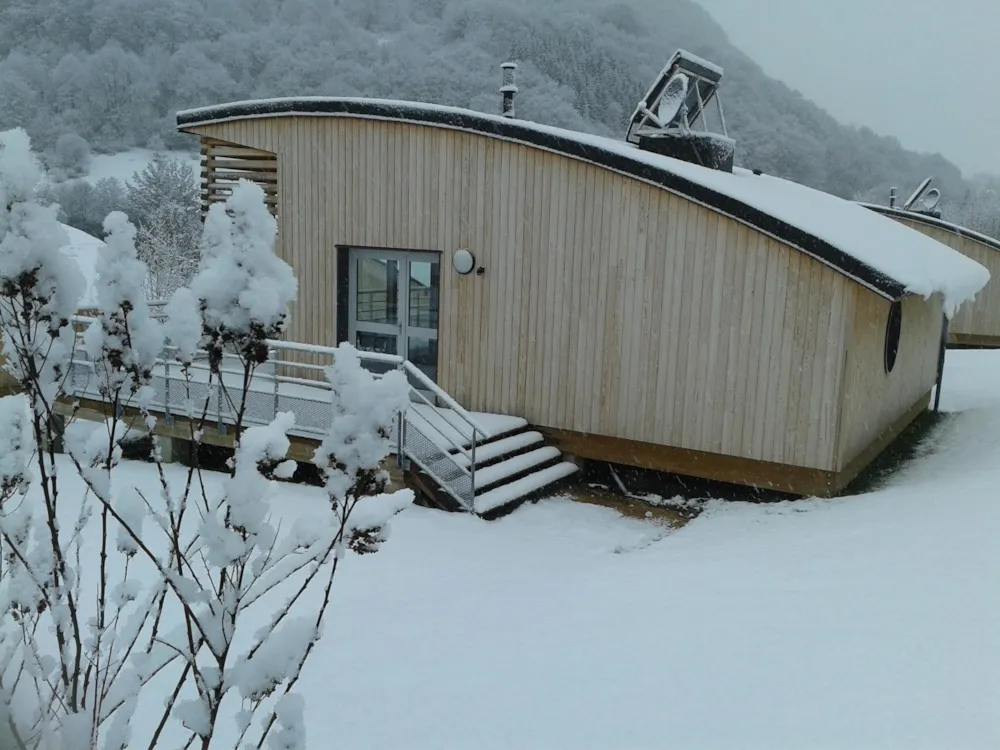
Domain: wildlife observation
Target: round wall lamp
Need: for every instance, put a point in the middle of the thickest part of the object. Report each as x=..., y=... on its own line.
x=463, y=261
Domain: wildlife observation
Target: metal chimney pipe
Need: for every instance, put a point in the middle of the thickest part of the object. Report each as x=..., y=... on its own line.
x=508, y=89
x=892, y=197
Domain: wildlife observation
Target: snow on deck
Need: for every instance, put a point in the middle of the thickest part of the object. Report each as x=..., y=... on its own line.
x=446, y=428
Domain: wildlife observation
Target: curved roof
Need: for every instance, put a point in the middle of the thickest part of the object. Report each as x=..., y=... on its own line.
x=885, y=256
x=932, y=221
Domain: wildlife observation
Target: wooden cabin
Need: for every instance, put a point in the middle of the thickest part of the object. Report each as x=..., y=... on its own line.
x=635, y=308
x=977, y=324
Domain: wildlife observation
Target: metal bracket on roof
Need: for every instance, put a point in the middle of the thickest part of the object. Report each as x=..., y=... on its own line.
x=678, y=98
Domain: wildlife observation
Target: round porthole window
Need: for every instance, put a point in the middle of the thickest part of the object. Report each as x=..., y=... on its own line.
x=893, y=328
x=463, y=261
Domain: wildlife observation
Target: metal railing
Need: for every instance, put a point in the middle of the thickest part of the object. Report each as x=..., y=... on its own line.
x=433, y=434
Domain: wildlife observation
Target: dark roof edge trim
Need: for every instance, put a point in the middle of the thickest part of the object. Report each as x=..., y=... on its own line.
x=514, y=130
x=931, y=221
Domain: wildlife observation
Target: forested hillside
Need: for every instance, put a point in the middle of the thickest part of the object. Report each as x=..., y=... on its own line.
x=115, y=71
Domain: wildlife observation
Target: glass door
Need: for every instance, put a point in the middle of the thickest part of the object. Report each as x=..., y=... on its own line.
x=423, y=284
x=394, y=303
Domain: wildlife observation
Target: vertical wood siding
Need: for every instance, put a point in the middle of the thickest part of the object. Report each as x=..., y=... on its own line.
x=872, y=399
x=607, y=306
x=981, y=317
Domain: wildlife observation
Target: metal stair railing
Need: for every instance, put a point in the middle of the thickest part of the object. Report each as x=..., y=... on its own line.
x=431, y=440
x=421, y=441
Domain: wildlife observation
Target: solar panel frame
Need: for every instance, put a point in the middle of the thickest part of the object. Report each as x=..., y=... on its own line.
x=703, y=84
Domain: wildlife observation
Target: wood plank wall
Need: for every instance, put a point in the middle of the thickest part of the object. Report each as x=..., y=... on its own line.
x=872, y=399
x=982, y=316
x=607, y=306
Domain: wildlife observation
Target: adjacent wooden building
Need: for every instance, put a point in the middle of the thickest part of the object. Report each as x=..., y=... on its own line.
x=977, y=324
x=635, y=308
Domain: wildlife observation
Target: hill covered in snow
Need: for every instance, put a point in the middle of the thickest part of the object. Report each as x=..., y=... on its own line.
x=115, y=72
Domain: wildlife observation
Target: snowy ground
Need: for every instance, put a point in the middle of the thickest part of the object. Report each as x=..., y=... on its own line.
x=85, y=250
x=868, y=622
x=864, y=622
x=124, y=165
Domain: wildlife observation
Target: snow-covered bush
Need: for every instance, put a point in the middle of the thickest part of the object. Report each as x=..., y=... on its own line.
x=84, y=206
x=124, y=603
x=72, y=154
x=245, y=290
x=39, y=291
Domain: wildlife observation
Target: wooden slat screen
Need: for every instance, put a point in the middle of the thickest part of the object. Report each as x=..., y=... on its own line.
x=223, y=164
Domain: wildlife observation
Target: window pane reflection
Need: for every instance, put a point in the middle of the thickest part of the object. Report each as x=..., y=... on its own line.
x=378, y=291
x=425, y=285
x=424, y=354
x=376, y=342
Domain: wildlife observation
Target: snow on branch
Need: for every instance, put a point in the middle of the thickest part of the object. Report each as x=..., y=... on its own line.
x=363, y=409
x=16, y=446
x=39, y=289
x=244, y=289
x=180, y=598
x=124, y=341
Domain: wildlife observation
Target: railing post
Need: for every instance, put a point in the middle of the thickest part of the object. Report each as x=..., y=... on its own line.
x=472, y=468
x=400, y=440
x=942, y=351
x=274, y=371
x=401, y=430
x=166, y=392
x=218, y=406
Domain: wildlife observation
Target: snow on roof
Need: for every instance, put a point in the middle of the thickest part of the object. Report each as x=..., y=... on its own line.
x=882, y=254
x=85, y=250
x=919, y=263
x=898, y=213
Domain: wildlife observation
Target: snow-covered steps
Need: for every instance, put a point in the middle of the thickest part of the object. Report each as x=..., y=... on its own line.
x=447, y=429
x=507, y=446
x=507, y=495
x=514, y=466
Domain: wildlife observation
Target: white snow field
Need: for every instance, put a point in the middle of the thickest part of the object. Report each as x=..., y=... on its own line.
x=862, y=622
x=123, y=166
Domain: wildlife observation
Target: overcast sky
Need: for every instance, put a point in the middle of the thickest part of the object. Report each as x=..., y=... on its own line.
x=925, y=71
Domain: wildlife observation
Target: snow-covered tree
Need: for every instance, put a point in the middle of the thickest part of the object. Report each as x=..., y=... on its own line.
x=72, y=154
x=119, y=95
x=84, y=206
x=979, y=208
x=165, y=181
x=164, y=203
x=122, y=602
x=168, y=244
